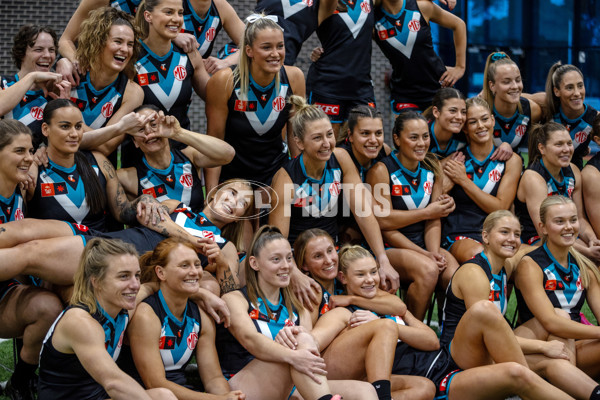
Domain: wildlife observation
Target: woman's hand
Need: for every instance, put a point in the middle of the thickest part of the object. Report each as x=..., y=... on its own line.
x=441, y=207
x=216, y=307
x=287, y=336
x=69, y=70
x=503, y=152
x=187, y=42
x=360, y=317
x=149, y=210
x=306, y=289
x=308, y=362
x=456, y=171
x=555, y=349
x=451, y=76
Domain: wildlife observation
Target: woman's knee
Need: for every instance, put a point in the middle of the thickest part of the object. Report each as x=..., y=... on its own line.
x=519, y=375
x=161, y=394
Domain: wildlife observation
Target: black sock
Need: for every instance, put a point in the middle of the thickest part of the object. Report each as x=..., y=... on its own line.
x=595, y=393
x=326, y=397
x=383, y=389
x=23, y=374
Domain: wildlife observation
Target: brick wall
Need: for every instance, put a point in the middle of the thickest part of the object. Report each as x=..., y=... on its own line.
x=55, y=13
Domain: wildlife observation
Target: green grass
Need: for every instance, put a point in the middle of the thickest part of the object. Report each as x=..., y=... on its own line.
x=6, y=362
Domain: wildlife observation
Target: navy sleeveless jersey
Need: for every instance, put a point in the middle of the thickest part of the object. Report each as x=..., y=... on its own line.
x=253, y=128
x=166, y=81
x=129, y=6
x=468, y=218
x=60, y=194
x=563, y=188
x=30, y=109
x=344, y=69
x=362, y=171
x=454, y=308
x=457, y=142
x=232, y=355
x=594, y=162
x=97, y=106
x=315, y=203
x=298, y=18
x=338, y=288
x=178, y=338
x=62, y=376
x=579, y=129
x=409, y=191
x=204, y=29
x=179, y=181
x=513, y=130
x=405, y=39
x=562, y=285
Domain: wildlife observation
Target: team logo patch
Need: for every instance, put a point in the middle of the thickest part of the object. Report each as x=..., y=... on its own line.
x=107, y=110
x=80, y=103
x=308, y=3
x=244, y=105
x=186, y=180
x=147, y=79
x=166, y=342
x=192, y=340
x=400, y=190
x=156, y=191
x=495, y=176
x=37, y=113
x=53, y=189
x=210, y=34
x=414, y=26
x=278, y=103
x=180, y=73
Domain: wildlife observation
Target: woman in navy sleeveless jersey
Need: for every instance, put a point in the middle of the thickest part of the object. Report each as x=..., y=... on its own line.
x=590, y=175
x=76, y=187
x=483, y=359
x=167, y=173
x=80, y=350
x=446, y=116
x=299, y=20
x=107, y=52
x=485, y=278
x=556, y=276
x=478, y=184
x=309, y=188
x=362, y=139
x=407, y=184
x=565, y=104
x=403, y=33
x=24, y=95
x=165, y=72
x=247, y=106
x=168, y=328
x=514, y=114
x=25, y=310
x=551, y=172
x=260, y=366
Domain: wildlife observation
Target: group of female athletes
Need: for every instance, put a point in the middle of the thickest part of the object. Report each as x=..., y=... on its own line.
x=271, y=249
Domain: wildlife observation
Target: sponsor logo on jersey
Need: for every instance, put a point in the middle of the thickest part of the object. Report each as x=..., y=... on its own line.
x=192, y=340
x=278, y=103
x=414, y=26
x=81, y=228
x=329, y=109
x=107, y=110
x=335, y=188
x=147, y=79
x=210, y=34
x=180, y=73
x=19, y=214
x=520, y=130
x=186, y=180
x=365, y=6
x=427, y=187
x=581, y=136
x=208, y=235
x=37, y=113
x=553, y=284
x=495, y=175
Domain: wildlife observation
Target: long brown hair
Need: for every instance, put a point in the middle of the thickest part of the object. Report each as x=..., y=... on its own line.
x=264, y=235
x=431, y=162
